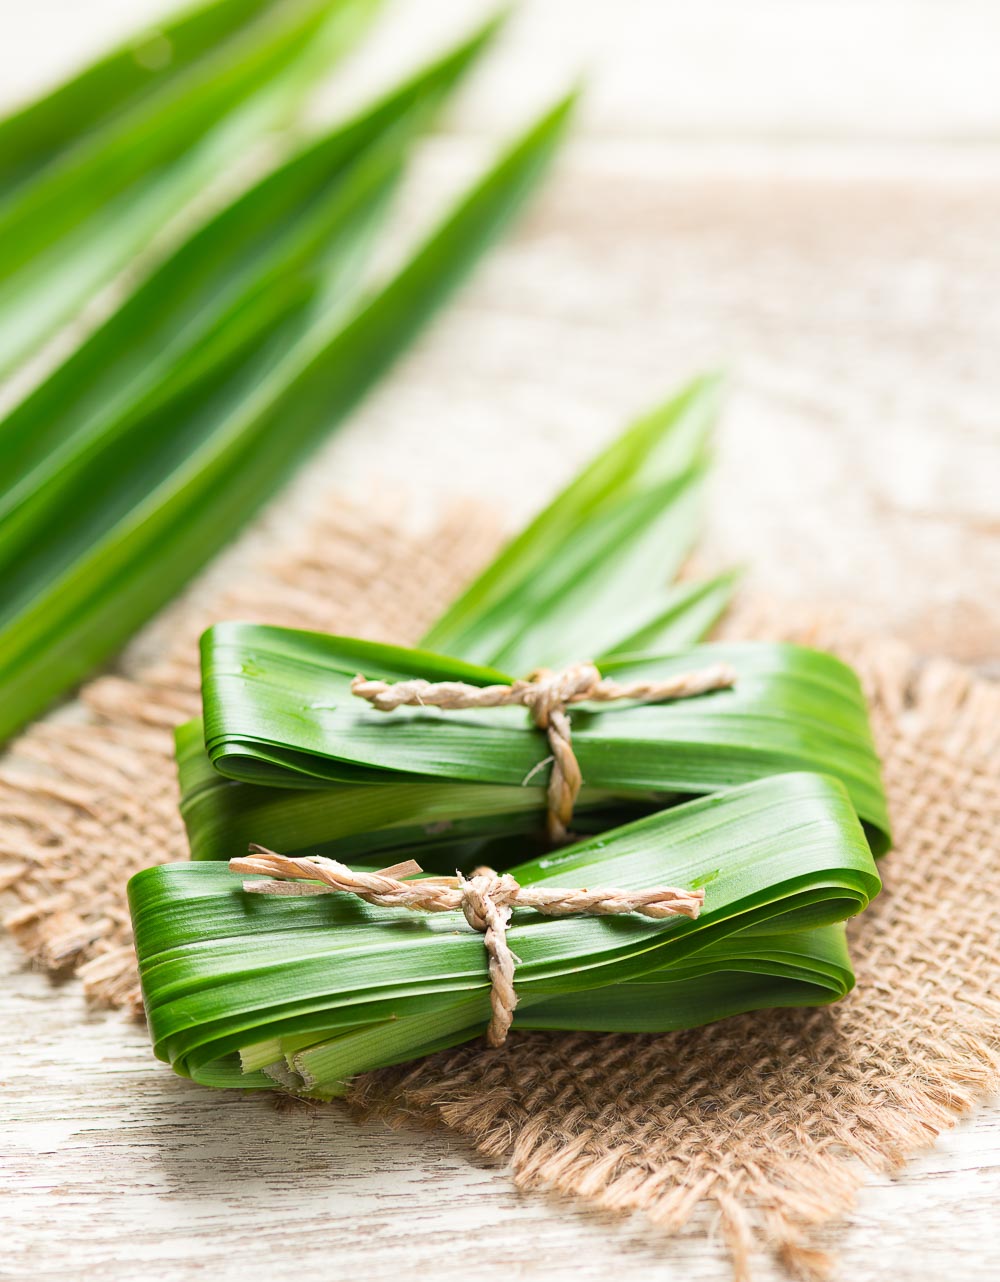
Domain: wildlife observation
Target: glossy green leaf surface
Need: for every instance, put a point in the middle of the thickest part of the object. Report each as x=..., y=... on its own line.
x=278, y=709
x=39, y=133
x=245, y=990
x=594, y=569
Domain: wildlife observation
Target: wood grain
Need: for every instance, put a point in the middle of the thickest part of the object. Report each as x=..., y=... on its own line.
x=806, y=194
x=114, y=1168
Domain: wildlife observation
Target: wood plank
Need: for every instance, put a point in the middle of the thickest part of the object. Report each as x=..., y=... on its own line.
x=114, y=1168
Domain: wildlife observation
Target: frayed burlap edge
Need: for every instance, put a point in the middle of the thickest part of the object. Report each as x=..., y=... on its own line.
x=771, y=1118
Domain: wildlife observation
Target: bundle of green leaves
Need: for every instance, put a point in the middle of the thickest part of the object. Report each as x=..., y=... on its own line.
x=767, y=796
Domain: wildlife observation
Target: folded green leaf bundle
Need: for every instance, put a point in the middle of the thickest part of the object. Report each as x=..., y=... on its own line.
x=166, y=430
x=278, y=708
x=249, y=990
x=291, y=754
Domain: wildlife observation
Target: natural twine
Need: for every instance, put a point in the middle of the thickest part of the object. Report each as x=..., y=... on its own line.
x=546, y=695
x=486, y=899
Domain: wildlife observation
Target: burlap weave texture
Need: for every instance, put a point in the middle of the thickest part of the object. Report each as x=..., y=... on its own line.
x=766, y=1115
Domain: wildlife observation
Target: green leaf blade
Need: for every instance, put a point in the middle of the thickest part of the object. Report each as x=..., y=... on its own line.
x=241, y=438
x=497, y=618
x=67, y=231
x=37, y=134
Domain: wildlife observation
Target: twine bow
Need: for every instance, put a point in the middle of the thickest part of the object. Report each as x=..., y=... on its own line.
x=546, y=695
x=486, y=899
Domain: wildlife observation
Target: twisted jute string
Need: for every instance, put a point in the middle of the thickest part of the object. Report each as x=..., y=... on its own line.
x=486, y=899
x=546, y=695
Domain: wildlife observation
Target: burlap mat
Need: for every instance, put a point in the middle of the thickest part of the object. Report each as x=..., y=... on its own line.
x=771, y=1117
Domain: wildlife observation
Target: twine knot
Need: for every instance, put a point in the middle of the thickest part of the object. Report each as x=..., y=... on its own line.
x=486, y=905
x=486, y=899
x=547, y=695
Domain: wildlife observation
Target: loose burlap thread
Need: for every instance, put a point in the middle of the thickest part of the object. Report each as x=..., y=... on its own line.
x=772, y=1117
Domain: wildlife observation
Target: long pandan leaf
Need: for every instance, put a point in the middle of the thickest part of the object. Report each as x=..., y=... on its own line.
x=43, y=132
x=90, y=172
x=243, y=990
x=181, y=471
x=234, y=278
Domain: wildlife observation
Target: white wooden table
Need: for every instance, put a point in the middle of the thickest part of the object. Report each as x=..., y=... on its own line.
x=808, y=194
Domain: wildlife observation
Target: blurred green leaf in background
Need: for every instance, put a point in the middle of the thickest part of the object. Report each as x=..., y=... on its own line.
x=162, y=432
x=91, y=172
